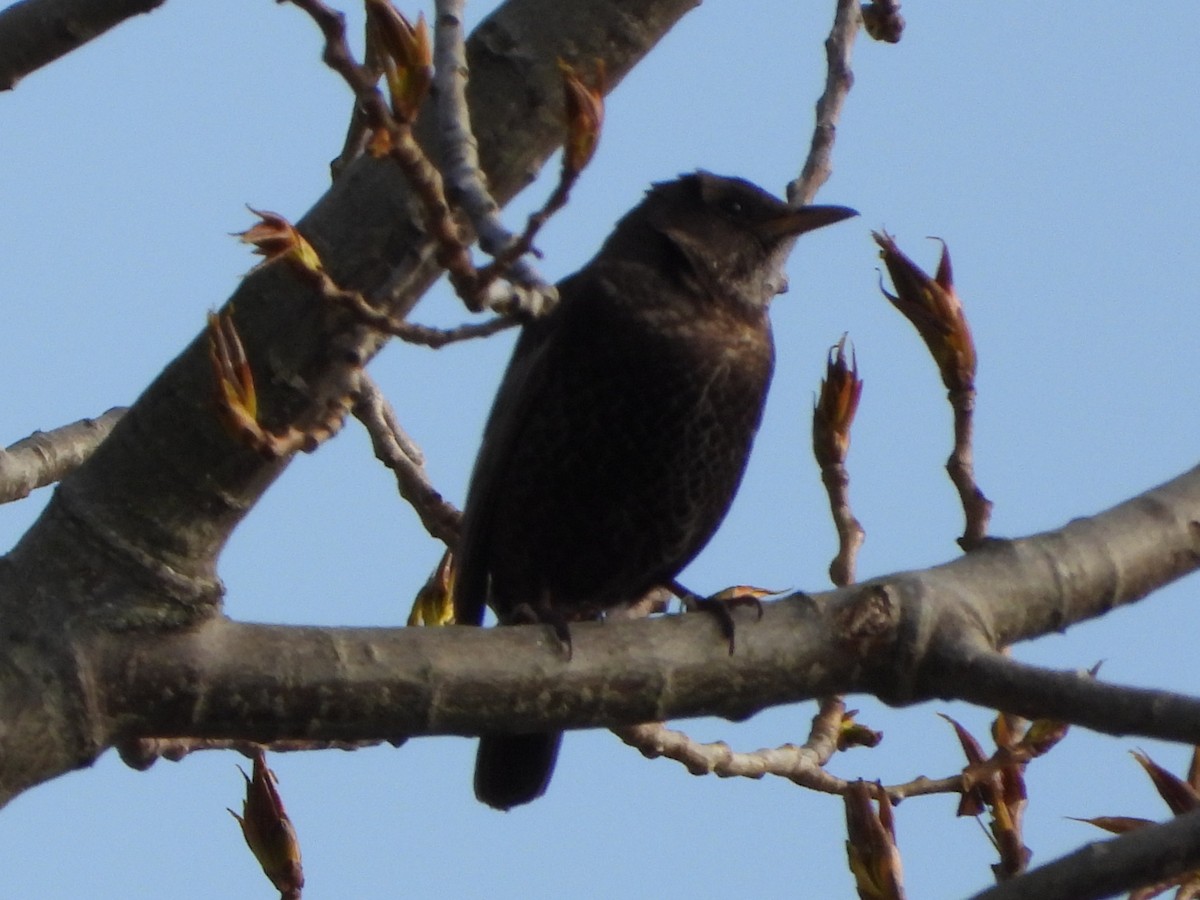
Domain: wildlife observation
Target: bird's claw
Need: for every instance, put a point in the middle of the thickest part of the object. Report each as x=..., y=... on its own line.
x=719, y=605
x=525, y=614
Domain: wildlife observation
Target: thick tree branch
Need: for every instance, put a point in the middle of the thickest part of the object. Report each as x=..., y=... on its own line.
x=1108, y=868
x=348, y=684
x=129, y=540
x=34, y=33
x=160, y=498
x=904, y=638
x=1092, y=565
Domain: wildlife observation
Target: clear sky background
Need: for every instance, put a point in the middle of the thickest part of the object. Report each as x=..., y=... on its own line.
x=1053, y=146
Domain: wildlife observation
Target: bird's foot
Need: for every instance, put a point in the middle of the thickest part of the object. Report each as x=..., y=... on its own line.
x=526, y=614
x=720, y=604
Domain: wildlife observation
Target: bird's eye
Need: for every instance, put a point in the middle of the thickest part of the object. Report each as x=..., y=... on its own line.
x=733, y=207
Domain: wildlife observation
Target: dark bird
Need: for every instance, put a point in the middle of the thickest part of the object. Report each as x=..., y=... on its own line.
x=623, y=424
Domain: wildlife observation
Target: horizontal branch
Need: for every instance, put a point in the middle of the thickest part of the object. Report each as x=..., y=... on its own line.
x=904, y=638
x=359, y=683
x=354, y=684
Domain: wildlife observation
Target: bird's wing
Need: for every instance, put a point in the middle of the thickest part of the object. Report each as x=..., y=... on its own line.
x=529, y=362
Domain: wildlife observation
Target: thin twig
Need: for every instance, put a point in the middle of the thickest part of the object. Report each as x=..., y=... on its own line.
x=851, y=535
x=452, y=252
x=839, y=79
x=799, y=764
x=833, y=417
x=934, y=308
x=922, y=787
x=467, y=181
x=425, y=335
x=513, y=253
x=584, y=108
x=460, y=150
x=338, y=56
x=394, y=449
x=357, y=130
x=435, y=338
x=977, y=508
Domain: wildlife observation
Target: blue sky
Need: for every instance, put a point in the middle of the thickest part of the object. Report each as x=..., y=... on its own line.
x=1052, y=148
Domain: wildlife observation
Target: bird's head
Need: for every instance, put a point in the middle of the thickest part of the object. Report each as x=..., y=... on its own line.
x=732, y=236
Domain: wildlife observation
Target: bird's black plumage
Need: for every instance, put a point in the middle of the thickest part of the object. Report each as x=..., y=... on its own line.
x=622, y=427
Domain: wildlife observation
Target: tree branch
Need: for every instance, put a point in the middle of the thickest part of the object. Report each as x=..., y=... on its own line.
x=156, y=503
x=127, y=545
x=1093, y=564
x=1107, y=868
x=904, y=638
x=999, y=682
x=357, y=683
x=801, y=764
x=465, y=180
x=34, y=33
x=46, y=456
x=396, y=450
x=839, y=47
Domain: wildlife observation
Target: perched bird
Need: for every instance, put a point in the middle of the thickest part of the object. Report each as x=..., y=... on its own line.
x=622, y=427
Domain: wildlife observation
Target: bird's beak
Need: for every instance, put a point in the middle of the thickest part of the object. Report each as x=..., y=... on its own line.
x=806, y=218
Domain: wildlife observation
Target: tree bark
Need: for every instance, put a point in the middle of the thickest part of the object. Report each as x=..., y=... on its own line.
x=128, y=544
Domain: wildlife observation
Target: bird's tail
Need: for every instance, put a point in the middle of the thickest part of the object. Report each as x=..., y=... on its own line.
x=511, y=769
